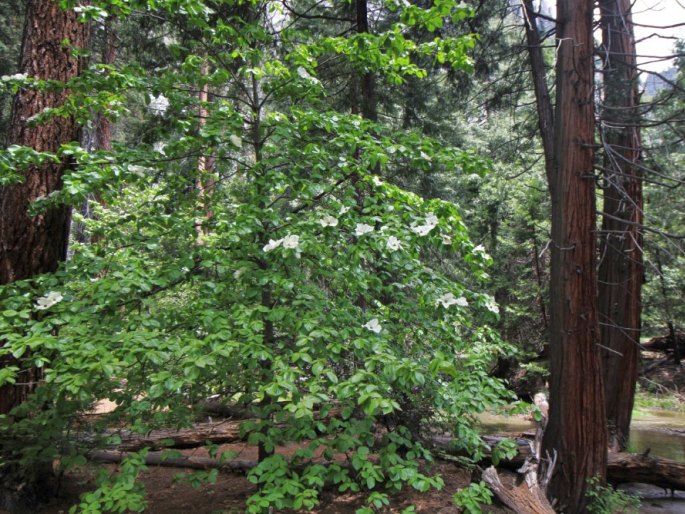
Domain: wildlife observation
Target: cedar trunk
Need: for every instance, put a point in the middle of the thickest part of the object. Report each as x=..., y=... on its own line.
x=576, y=428
x=621, y=267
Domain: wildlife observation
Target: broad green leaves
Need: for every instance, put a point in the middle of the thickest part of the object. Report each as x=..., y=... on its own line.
x=291, y=276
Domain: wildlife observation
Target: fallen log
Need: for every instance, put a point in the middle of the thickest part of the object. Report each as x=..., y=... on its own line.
x=215, y=432
x=630, y=467
x=190, y=462
x=666, y=343
x=622, y=467
x=522, y=498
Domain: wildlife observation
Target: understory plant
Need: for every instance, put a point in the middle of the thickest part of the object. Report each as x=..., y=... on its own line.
x=253, y=246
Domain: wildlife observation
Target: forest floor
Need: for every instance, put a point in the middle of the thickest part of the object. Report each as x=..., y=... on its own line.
x=166, y=494
x=662, y=384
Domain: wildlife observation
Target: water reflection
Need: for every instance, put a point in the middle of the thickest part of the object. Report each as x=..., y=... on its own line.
x=662, y=431
x=662, y=443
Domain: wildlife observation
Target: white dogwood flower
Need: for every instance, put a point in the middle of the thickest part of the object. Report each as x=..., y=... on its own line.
x=430, y=223
x=393, y=244
x=16, y=76
x=47, y=301
x=481, y=250
x=446, y=240
x=159, y=105
x=328, y=221
x=491, y=305
x=449, y=299
x=159, y=147
x=373, y=325
x=422, y=230
x=272, y=245
x=291, y=241
x=362, y=228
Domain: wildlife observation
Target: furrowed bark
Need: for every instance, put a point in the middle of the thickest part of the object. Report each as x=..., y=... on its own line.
x=32, y=245
x=621, y=268
x=576, y=428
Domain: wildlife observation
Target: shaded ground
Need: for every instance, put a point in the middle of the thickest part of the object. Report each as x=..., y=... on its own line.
x=166, y=495
x=660, y=375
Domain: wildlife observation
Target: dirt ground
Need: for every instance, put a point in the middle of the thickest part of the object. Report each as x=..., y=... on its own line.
x=660, y=375
x=167, y=495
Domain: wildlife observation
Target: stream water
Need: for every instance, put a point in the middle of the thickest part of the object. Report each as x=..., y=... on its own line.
x=662, y=432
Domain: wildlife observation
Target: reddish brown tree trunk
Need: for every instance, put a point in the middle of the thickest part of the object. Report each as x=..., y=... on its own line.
x=576, y=428
x=621, y=267
x=33, y=245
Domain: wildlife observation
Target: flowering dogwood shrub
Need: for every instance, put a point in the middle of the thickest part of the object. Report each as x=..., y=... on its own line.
x=314, y=284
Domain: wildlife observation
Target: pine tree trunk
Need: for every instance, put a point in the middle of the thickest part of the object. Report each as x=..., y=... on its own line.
x=621, y=267
x=576, y=428
x=33, y=245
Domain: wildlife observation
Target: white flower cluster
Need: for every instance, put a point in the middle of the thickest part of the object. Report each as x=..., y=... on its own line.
x=429, y=224
x=481, y=250
x=393, y=244
x=16, y=76
x=47, y=301
x=362, y=228
x=159, y=105
x=491, y=305
x=374, y=326
x=448, y=299
x=159, y=147
x=328, y=221
x=290, y=241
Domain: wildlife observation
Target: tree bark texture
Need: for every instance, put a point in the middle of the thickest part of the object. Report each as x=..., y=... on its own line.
x=621, y=267
x=576, y=427
x=33, y=245
x=520, y=498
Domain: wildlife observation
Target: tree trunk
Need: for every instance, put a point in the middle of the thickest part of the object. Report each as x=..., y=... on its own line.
x=576, y=428
x=542, y=96
x=621, y=268
x=33, y=245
